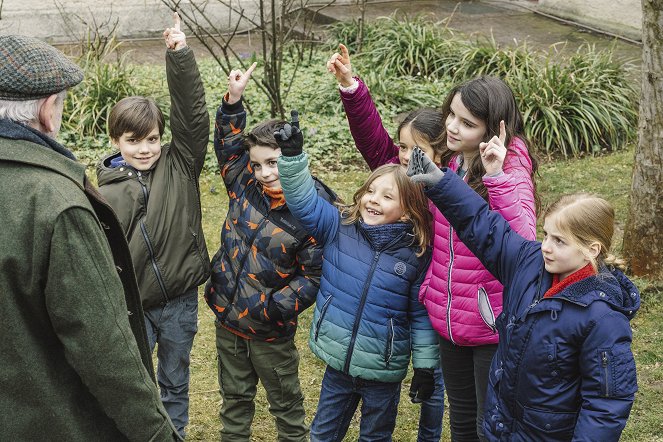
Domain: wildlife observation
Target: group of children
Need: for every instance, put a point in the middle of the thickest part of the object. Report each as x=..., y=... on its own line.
x=434, y=260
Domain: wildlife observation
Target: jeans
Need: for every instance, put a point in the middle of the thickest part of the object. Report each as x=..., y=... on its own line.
x=339, y=397
x=173, y=327
x=432, y=411
x=465, y=371
x=244, y=362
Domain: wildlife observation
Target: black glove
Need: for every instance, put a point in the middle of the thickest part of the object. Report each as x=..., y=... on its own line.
x=422, y=169
x=422, y=386
x=289, y=137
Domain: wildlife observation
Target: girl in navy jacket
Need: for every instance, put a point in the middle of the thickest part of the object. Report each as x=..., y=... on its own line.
x=564, y=369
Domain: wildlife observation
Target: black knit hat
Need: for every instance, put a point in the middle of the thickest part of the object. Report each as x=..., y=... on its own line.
x=31, y=69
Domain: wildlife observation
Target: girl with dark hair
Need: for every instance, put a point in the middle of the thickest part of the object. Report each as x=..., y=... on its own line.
x=462, y=298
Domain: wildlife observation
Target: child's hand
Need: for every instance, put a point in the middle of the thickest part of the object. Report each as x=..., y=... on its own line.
x=175, y=38
x=422, y=169
x=339, y=65
x=290, y=138
x=237, y=82
x=493, y=152
x=422, y=386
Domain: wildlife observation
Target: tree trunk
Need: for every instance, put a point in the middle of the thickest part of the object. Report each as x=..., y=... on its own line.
x=643, y=238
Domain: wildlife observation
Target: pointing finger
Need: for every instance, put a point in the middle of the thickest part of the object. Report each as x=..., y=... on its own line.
x=176, y=19
x=249, y=71
x=502, y=132
x=344, y=52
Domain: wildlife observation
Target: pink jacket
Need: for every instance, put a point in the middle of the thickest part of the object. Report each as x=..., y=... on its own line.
x=461, y=296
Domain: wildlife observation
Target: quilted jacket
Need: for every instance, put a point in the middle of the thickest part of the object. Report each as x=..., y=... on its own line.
x=265, y=256
x=368, y=319
x=461, y=296
x=563, y=369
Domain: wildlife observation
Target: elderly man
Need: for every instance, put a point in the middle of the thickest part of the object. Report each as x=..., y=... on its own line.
x=74, y=359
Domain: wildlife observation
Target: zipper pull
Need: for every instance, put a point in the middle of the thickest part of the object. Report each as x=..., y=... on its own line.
x=604, y=359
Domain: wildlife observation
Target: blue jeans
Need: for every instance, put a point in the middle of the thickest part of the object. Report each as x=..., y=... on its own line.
x=339, y=397
x=432, y=411
x=173, y=327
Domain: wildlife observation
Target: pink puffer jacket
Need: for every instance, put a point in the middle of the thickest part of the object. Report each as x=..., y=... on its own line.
x=461, y=296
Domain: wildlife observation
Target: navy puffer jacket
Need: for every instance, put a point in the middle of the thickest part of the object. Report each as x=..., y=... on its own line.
x=564, y=368
x=368, y=319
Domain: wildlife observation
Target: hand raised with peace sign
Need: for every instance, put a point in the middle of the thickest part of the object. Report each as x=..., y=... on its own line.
x=237, y=81
x=339, y=65
x=175, y=38
x=493, y=152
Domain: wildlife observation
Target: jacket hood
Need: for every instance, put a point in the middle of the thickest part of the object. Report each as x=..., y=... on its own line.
x=610, y=285
x=107, y=173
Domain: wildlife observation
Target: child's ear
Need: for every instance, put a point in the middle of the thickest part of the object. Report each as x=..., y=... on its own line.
x=594, y=250
x=114, y=142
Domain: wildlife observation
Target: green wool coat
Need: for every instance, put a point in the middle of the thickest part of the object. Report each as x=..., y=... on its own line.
x=70, y=364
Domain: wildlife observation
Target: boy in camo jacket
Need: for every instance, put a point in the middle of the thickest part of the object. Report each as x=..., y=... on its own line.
x=266, y=272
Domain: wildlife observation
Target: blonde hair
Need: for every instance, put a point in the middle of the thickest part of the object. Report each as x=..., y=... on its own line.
x=412, y=201
x=585, y=219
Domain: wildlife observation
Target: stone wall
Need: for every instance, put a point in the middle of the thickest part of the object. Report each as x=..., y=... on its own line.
x=621, y=17
x=59, y=21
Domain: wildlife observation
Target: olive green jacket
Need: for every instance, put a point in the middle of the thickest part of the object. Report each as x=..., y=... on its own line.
x=74, y=360
x=160, y=208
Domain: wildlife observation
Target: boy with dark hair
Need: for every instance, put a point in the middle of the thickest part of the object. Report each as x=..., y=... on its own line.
x=154, y=191
x=266, y=272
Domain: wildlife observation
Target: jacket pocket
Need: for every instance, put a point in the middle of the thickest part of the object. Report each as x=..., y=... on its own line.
x=323, y=311
x=389, y=348
x=617, y=368
x=485, y=309
x=546, y=424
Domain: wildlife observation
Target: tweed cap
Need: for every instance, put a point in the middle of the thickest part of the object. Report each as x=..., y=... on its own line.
x=31, y=69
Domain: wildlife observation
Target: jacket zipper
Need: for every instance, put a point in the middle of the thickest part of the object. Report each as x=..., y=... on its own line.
x=449, y=296
x=153, y=260
x=360, y=310
x=390, y=342
x=148, y=242
x=323, y=312
x=604, y=364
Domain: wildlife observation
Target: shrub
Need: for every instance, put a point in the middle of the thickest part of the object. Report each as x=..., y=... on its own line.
x=88, y=105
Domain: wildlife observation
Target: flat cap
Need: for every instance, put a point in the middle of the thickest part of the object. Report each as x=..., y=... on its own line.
x=31, y=69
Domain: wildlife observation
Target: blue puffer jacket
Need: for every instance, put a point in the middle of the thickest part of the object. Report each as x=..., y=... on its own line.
x=563, y=368
x=368, y=319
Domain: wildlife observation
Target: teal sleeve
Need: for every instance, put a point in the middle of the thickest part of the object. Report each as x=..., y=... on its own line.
x=319, y=217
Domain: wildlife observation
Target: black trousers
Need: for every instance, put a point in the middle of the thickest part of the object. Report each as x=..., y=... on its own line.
x=465, y=371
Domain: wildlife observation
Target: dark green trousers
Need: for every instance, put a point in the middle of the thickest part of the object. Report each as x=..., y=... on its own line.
x=242, y=362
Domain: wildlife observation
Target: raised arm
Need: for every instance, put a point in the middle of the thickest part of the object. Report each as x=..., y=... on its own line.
x=371, y=138
x=486, y=233
x=189, y=120
x=319, y=217
x=229, y=128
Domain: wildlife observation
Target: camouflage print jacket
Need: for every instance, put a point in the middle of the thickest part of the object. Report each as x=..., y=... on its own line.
x=265, y=256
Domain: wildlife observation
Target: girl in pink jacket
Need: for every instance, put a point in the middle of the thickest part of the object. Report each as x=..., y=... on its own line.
x=462, y=298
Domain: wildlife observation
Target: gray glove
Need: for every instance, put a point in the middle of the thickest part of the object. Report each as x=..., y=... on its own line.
x=422, y=169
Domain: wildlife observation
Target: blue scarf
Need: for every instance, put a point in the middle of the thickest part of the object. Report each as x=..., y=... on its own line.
x=383, y=234
x=18, y=131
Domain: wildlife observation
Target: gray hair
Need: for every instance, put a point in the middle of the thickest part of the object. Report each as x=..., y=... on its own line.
x=26, y=112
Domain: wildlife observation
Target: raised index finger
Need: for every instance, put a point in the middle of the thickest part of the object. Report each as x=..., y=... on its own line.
x=502, y=132
x=249, y=71
x=176, y=19
x=345, y=54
